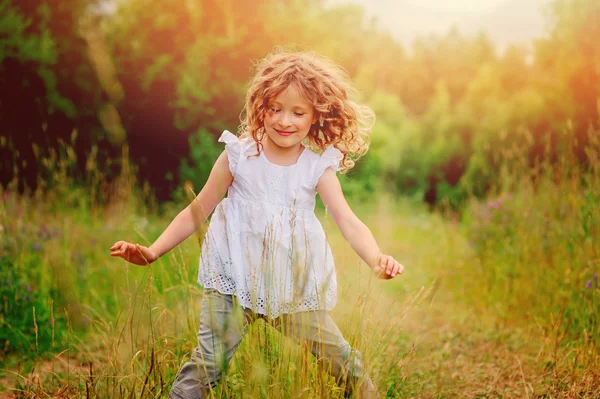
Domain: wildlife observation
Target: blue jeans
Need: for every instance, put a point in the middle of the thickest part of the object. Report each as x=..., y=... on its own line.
x=223, y=324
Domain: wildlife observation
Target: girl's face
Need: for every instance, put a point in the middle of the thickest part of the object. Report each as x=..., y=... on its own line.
x=289, y=118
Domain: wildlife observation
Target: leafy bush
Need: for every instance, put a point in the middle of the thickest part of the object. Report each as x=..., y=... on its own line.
x=204, y=151
x=28, y=324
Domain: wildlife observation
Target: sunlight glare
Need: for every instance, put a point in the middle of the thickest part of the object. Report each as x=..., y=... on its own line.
x=468, y=6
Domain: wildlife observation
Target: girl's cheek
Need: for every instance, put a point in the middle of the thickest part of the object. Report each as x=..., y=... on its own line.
x=267, y=120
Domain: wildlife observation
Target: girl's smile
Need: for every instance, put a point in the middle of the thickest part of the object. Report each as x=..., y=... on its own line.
x=283, y=133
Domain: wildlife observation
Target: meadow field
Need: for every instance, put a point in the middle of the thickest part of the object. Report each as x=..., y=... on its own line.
x=499, y=302
x=482, y=178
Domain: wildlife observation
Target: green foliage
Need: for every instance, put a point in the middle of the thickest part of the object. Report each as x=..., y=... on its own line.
x=36, y=51
x=444, y=109
x=16, y=43
x=28, y=325
x=204, y=151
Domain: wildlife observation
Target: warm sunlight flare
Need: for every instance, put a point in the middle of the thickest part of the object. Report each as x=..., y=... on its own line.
x=505, y=21
x=300, y=199
x=459, y=6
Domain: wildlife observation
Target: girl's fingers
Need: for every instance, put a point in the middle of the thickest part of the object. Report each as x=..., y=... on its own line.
x=392, y=269
x=120, y=245
x=130, y=250
x=123, y=248
x=122, y=252
x=133, y=253
x=383, y=264
x=116, y=245
x=390, y=265
x=400, y=269
x=120, y=249
x=396, y=269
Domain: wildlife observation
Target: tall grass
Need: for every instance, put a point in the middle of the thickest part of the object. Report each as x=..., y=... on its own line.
x=100, y=327
x=536, y=240
x=524, y=261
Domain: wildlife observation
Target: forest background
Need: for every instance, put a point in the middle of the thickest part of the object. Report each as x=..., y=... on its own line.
x=105, y=114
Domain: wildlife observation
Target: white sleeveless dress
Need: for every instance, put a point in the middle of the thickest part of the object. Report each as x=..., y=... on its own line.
x=264, y=243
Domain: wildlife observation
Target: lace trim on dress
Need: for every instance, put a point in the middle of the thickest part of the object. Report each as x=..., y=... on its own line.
x=263, y=306
x=274, y=308
x=213, y=274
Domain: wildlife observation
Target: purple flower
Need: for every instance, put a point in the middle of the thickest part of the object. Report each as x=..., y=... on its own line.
x=36, y=246
x=588, y=285
x=28, y=288
x=42, y=233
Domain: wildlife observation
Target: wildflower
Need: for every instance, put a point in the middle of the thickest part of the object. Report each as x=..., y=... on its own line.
x=595, y=278
x=28, y=288
x=36, y=246
x=588, y=285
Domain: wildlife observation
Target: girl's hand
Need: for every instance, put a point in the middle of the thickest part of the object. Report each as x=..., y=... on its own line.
x=134, y=253
x=387, y=267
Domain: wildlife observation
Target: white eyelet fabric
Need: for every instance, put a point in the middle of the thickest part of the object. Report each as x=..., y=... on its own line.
x=264, y=243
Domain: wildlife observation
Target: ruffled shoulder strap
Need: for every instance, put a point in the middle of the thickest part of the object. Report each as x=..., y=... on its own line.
x=330, y=158
x=233, y=148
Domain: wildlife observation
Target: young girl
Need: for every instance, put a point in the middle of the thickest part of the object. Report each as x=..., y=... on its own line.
x=265, y=254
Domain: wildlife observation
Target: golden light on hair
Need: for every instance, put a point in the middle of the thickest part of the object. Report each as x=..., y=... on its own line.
x=340, y=121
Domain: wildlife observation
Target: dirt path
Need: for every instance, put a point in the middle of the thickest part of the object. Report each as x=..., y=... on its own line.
x=450, y=352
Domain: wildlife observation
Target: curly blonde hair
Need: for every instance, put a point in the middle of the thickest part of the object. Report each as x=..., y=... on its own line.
x=339, y=120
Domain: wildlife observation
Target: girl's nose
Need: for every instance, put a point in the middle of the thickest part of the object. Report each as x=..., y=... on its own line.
x=286, y=120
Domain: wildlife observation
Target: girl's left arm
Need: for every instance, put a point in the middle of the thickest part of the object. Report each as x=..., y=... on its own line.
x=353, y=229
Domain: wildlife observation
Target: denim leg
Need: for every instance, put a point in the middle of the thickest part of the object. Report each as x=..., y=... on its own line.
x=222, y=326
x=318, y=331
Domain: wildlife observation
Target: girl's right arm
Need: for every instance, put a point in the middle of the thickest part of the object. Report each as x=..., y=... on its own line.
x=186, y=222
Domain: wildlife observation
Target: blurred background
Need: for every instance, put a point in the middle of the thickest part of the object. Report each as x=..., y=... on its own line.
x=452, y=83
x=483, y=179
